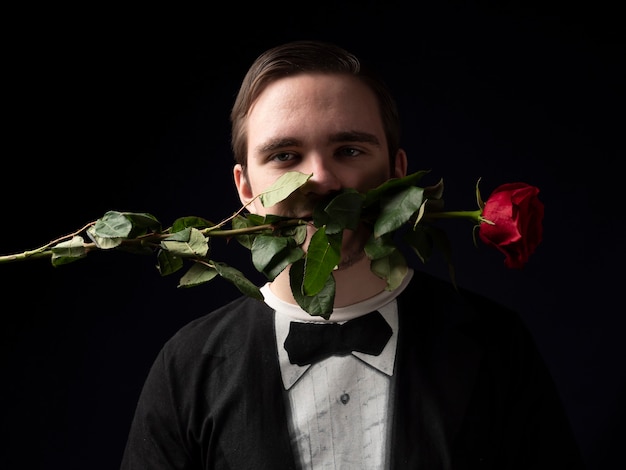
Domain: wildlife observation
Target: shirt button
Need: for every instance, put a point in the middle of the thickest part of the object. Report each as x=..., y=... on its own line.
x=344, y=398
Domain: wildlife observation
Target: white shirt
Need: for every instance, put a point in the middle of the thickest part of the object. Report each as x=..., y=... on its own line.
x=339, y=406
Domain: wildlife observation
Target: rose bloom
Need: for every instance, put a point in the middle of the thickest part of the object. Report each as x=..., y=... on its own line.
x=517, y=215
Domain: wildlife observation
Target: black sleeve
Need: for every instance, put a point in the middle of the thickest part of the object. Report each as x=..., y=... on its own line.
x=528, y=425
x=156, y=439
x=536, y=432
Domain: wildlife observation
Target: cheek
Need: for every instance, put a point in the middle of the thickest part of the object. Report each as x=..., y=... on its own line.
x=256, y=207
x=253, y=185
x=372, y=179
x=247, y=192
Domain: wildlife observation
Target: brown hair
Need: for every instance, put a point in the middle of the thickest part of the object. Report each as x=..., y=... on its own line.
x=308, y=57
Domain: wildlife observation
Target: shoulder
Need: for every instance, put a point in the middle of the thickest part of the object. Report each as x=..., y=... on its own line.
x=220, y=331
x=458, y=324
x=442, y=306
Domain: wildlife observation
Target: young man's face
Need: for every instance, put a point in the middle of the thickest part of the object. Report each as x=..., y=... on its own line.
x=325, y=125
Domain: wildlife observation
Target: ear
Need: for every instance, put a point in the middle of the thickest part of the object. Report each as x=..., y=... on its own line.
x=401, y=164
x=243, y=186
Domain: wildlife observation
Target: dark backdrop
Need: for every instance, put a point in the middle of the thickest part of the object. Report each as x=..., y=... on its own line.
x=128, y=110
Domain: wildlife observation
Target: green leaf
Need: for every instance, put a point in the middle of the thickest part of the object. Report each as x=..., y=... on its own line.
x=103, y=243
x=397, y=209
x=271, y=254
x=479, y=199
x=379, y=247
x=320, y=304
x=168, y=263
x=112, y=225
x=240, y=281
x=274, y=219
x=239, y=222
x=181, y=236
x=198, y=274
x=68, y=251
x=298, y=233
x=420, y=241
x=143, y=220
x=344, y=211
x=191, y=221
x=374, y=195
x=424, y=238
x=253, y=219
x=265, y=248
x=393, y=268
x=287, y=257
x=283, y=187
x=188, y=242
x=434, y=192
x=322, y=257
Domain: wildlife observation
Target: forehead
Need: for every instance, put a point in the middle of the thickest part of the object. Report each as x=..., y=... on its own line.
x=308, y=101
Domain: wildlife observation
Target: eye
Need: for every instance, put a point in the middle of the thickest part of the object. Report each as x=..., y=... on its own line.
x=349, y=152
x=282, y=157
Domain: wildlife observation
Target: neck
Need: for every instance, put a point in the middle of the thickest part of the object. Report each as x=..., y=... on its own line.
x=354, y=282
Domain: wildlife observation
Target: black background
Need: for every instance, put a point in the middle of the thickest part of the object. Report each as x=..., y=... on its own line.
x=127, y=109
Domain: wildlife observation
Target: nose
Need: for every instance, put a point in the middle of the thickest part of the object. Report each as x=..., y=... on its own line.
x=325, y=179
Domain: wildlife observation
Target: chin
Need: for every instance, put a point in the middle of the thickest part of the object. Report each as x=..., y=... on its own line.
x=352, y=247
x=350, y=260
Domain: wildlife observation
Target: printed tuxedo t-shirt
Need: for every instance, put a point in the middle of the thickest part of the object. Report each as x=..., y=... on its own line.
x=339, y=407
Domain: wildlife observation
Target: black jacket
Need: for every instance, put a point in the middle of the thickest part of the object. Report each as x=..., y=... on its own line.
x=470, y=392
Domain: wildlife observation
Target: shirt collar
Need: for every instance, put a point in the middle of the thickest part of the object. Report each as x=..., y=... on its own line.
x=384, y=302
x=384, y=362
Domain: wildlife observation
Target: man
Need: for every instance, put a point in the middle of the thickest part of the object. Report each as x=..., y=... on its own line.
x=456, y=381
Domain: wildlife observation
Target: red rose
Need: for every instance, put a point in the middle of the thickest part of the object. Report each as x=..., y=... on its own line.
x=517, y=216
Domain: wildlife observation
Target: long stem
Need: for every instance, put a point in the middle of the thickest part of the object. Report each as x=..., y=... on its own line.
x=32, y=254
x=475, y=216
x=46, y=251
x=211, y=232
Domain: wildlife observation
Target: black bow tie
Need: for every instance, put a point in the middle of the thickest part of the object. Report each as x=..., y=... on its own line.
x=307, y=343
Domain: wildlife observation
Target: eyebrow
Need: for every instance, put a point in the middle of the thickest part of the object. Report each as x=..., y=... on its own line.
x=275, y=144
x=355, y=136
x=346, y=136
